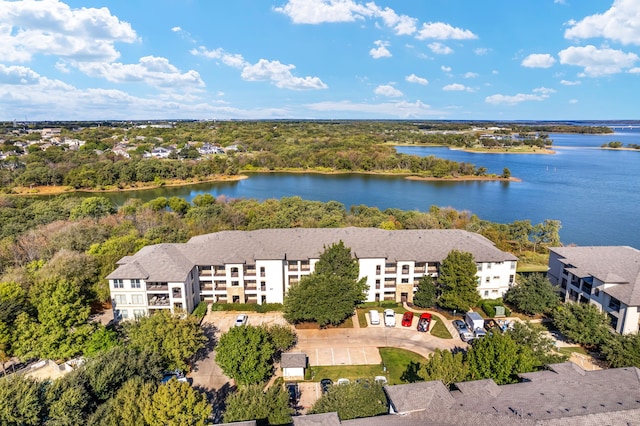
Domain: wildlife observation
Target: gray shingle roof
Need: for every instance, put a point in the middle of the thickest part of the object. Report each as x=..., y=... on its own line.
x=326, y=419
x=172, y=262
x=293, y=360
x=619, y=265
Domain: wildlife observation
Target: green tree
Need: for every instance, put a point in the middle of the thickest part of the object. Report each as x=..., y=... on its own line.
x=425, y=296
x=176, y=338
x=69, y=402
x=506, y=173
x=498, y=357
x=330, y=294
x=176, y=404
x=179, y=205
x=93, y=207
x=458, y=282
x=445, y=366
x=533, y=294
x=127, y=407
x=622, y=350
x=245, y=354
x=101, y=340
x=21, y=401
x=547, y=233
x=582, y=323
x=13, y=300
x=270, y=407
x=353, y=401
x=282, y=337
x=534, y=337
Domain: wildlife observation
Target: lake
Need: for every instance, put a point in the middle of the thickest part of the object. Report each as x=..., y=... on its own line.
x=593, y=192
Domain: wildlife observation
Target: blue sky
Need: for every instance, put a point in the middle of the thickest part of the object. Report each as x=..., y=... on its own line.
x=320, y=59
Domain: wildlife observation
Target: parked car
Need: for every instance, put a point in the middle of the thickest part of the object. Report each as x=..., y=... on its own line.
x=467, y=336
x=294, y=392
x=389, y=318
x=325, y=384
x=381, y=379
x=407, y=319
x=178, y=375
x=343, y=381
x=241, y=320
x=461, y=326
x=424, y=322
x=374, y=317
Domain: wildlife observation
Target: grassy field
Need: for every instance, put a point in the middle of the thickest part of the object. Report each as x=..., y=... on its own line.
x=532, y=262
x=362, y=317
x=440, y=330
x=395, y=360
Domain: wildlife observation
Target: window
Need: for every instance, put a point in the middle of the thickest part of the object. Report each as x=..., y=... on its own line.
x=488, y=279
x=135, y=283
x=136, y=299
x=378, y=269
x=235, y=283
x=120, y=299
x=488, y=265
x=405, y=281
x=486, y=293
x=596, y=293
x=262, y=271
x=511, y=279
x=405, y=269
x=513, y=265
x=118, y=284
x=496, y=277
x=377, y=284
x=614, y=304
x=121, y=314
x=236, y=299
x=137, y=313
x=479, y=266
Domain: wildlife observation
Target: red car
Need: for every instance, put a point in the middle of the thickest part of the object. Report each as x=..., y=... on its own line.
x=407, y=319
x=424, y=322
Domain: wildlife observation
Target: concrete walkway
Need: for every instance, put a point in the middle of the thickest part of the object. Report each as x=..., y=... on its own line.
x=447, y=323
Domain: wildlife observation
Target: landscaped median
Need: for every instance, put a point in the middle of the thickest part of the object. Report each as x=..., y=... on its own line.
x=438, y=328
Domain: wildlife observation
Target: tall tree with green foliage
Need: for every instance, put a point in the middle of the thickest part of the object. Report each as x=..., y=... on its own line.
x=458, y=282
x=533, y=294
x=176, y=404
x=270, y=407
x=425, y=296
x=534, y=337
x=127, y=407
x=446, y=366
x=282, y=337
x=622, y=350
x=174, y=337
x=352, y=401
x=21, y=401
x=498, y=357
x=330, y=294
x=245, y=354
x=582, y=323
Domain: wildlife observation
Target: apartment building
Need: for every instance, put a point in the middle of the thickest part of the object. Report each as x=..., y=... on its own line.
x=605, y=276
x=259, y=266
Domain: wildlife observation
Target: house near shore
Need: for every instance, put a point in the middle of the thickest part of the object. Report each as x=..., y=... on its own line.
x=259, y=266
x=605, y=276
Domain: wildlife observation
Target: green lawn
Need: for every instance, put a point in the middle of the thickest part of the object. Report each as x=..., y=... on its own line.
x=440, y=330
x=568, y=350
x=395, y=360
x=362, y=317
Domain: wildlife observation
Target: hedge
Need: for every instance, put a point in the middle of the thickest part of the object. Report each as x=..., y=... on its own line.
x=252, y=307
x=489, y=307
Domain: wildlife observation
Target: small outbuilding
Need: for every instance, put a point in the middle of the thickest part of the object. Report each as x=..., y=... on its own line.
x=293, y=365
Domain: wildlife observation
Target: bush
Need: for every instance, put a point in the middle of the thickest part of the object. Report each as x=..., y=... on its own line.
x=384, y=304
x=200, y=311
x=489, y=307
x=251, y=307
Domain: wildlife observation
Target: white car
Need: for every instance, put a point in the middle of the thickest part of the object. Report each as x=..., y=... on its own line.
x=389, y=318
x=241, y=320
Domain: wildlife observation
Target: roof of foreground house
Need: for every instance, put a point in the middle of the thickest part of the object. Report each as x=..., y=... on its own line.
x=172, y=262
x=618, y=265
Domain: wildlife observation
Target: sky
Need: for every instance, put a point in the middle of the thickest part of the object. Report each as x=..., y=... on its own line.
x=319, y=59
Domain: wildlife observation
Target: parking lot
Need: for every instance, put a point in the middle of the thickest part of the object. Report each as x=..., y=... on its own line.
x=224, y=320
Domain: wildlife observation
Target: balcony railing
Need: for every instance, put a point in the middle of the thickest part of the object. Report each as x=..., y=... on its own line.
x=206, y=273
x=221, y=287
x=250, y=271
x=251, y=288
x=419, y=269
x=293, y=267
x=206, y=287
x=157, y=287
x=159, y=300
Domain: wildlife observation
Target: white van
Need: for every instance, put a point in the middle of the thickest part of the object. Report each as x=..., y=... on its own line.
x=374, y=317
x=389, y=318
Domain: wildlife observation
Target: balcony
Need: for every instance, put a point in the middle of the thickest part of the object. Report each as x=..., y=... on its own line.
x=251, y=288
x=206, y=273
x=293, y=267
x=159, y=300
x=250, y=272
x=219, y=272
x=221, y=287
x=176, y=293
x=153, y=287
x=206, y=287
x=419, y=269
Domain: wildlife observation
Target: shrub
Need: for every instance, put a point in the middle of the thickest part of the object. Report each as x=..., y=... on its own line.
x=200, y=311
x=251, y=307
x=489, y=307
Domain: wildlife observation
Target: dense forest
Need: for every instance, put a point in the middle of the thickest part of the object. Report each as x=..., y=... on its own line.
x=347, y=146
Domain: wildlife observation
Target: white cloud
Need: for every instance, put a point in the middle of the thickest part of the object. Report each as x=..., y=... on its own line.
x=481, y=51
x=401, y=24
x=457, y=87
x=573, y=101
x=415, y=79
x=560, y=1
x=388, y=91
x=540, y=95
x=570, y=83
x=544, y=90
x=620, y=23
x=264, y=70
x=381, y=51
x=152, y=70
x=62, y=67
x=635, y=70
x=597, y=62
x=445, y=69
x=280, y=75
x=538, y=60
x=50, y=27
x=440, y=48
x=470, y=75
x=442, y=31
x=176, y=29
x=401, y=109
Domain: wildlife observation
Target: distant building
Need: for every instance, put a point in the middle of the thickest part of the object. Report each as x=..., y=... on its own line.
x=605, y=276
x=259, y=266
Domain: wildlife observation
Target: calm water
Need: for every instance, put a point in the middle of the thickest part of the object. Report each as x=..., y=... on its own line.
x=593, y=192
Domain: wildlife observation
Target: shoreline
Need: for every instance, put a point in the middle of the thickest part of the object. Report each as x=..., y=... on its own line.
x=59, y=190
x=543, y=151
